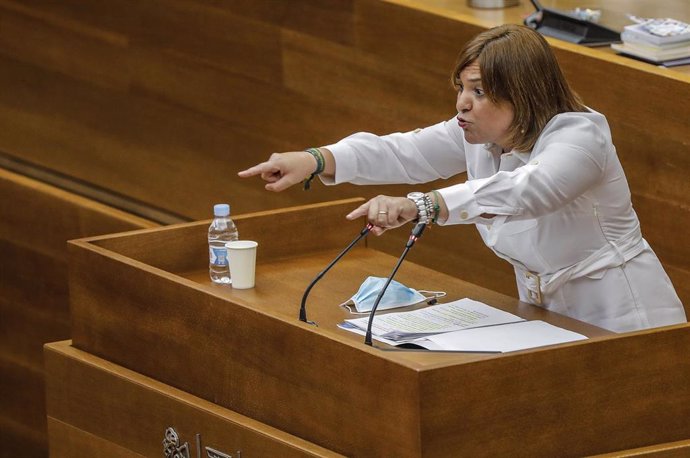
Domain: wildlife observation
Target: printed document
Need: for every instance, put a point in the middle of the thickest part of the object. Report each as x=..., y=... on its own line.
x=505, y=338
x=436, y=319
x=464, y=325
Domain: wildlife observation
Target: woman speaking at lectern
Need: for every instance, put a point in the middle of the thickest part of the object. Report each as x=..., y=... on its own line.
x=544, y=185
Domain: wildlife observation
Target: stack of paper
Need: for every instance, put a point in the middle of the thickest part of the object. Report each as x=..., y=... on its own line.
x=463, y=325
x=656, y=40
x=407, y=326
x=501, y=339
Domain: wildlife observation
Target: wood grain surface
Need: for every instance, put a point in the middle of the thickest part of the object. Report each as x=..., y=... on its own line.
x=162, y=102
x=173, y=325
x=36, y=220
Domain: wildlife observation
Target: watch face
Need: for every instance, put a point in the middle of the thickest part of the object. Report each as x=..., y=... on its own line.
x=419, y=200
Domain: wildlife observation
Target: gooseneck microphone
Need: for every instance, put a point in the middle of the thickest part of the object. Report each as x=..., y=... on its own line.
x=416, y=233
x=303, y=306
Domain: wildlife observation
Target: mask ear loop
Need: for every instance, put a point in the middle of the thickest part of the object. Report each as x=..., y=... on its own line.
x=430, y=297
x=350, y=306
x=352, y=310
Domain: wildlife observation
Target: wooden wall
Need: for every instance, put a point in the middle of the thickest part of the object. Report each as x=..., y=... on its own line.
x=164, y=101
x=36, y=221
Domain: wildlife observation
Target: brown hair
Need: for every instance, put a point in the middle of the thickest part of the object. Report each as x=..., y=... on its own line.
x=518, y=66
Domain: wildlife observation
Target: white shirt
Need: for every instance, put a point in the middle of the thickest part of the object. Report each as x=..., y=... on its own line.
x=564, y=217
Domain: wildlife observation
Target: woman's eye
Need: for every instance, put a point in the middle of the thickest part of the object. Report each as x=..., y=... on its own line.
x=479, y=92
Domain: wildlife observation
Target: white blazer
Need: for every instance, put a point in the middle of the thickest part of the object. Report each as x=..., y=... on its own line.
x=564, y=216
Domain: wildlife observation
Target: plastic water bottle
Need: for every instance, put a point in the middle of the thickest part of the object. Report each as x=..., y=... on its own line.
x=221, y=230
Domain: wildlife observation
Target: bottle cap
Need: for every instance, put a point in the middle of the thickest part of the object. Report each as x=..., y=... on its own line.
x=221, y=210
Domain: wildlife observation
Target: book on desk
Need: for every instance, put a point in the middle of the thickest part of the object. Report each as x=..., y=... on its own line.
x=657, y=41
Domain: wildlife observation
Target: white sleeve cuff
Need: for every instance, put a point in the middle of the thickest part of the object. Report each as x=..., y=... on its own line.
x=345, y=164
x=462, y=206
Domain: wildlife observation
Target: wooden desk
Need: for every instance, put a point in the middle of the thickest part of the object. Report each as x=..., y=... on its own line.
x=84, y=421
x=614, y=15
x=141, y=300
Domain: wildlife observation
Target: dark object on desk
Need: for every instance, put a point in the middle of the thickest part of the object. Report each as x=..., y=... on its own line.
x=569, y=28
x=663, y=63
x=491, y=3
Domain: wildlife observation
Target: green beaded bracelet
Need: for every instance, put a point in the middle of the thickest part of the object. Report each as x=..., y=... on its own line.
x=437, y=207
x=320, y=165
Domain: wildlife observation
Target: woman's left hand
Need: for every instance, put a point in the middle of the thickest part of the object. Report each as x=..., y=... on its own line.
x=386, y=212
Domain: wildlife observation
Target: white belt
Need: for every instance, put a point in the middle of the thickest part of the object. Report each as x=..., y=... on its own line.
x=613, y=254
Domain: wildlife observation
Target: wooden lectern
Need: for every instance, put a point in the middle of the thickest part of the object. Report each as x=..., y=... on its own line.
x=156, y=345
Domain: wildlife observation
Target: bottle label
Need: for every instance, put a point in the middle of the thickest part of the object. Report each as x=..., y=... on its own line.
x=218, y=256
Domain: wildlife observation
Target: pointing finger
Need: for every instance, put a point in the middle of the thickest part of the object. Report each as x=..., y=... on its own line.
x=264, y=167
x=359, y=211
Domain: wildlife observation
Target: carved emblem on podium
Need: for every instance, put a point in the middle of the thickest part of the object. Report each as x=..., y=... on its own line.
x=171, y=445
x=213, y=453
x=173, y=449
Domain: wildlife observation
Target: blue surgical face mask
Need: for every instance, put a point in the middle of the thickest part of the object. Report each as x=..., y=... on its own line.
x=396, y=295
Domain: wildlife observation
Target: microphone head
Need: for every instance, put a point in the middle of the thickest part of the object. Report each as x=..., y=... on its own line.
x=416, y=233
x=418, y=229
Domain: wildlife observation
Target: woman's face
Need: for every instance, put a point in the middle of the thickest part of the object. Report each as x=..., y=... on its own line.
x=482, y=120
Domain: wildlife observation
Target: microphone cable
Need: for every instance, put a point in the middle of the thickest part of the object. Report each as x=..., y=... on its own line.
x=416, y=233
x=303, y=306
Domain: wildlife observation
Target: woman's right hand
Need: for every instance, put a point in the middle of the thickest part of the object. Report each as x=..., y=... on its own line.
x=283, y=170
x=386, y=212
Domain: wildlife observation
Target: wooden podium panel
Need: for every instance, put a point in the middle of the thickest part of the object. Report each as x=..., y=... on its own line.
x=97, y=408
x=142, y=300
x=36, y=220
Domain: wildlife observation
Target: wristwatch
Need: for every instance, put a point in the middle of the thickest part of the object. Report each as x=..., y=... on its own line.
x=423, y=204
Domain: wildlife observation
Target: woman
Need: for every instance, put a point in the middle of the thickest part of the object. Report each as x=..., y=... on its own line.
x=545, y=187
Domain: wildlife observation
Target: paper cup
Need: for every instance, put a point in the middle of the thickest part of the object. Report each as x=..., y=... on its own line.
x=242, y=262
